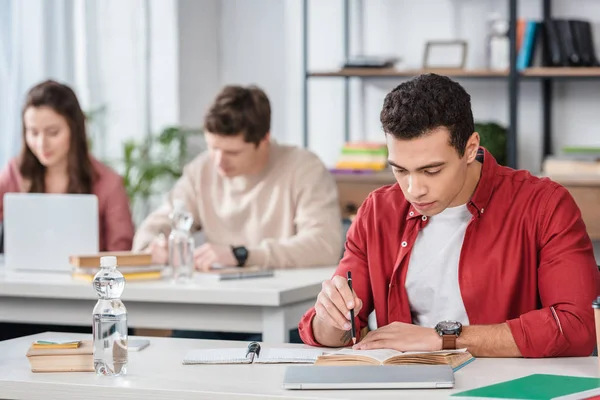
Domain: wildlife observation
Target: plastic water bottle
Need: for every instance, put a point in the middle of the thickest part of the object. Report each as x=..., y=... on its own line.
x=181, y=243
x=109, y=327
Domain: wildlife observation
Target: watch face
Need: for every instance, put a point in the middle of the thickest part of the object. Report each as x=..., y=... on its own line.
x=448, y=327
x=241, y=254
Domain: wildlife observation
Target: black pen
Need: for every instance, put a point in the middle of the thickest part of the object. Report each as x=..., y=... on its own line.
x=254, y=349
x=353, y=331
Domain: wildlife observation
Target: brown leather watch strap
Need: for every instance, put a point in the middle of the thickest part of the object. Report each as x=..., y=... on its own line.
x=449, y=342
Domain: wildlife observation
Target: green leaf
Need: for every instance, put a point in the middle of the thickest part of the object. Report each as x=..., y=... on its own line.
x=155, y=159
x=493, y=138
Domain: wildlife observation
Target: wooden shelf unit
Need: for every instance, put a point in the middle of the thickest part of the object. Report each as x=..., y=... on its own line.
x=394, y=73
x=534, y=72
x=546, y=76
x=557, y=72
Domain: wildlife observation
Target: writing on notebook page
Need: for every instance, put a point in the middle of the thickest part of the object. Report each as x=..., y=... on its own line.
x=241, y=356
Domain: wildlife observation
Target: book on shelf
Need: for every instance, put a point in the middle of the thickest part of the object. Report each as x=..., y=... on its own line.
x=362, y=156
x=365, y=61
x=555, y=42
x=130, y=272
x=455, y=358
x=123, y=258
x=77, y=359
x=571, y=165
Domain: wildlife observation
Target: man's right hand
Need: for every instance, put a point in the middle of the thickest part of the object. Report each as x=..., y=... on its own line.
x=159, y=249
x=333, y=306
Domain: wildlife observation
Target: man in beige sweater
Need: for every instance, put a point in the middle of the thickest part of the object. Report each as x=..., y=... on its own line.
x=257, y=202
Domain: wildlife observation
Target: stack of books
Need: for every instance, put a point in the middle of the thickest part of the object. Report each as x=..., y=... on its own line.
x=133, y=266
x=61, y=356
x=574, y=161
x=361, y=156
x=555, y=43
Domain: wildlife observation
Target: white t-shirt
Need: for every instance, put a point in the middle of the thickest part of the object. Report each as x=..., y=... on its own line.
x=432, y=277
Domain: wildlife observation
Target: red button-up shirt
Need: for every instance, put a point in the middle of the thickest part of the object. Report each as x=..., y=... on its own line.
x=526, y=260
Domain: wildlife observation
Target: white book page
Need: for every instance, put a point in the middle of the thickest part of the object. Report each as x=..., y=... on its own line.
x=379, y=354
x=281, y=356
x=217, y=356
x=383, y=354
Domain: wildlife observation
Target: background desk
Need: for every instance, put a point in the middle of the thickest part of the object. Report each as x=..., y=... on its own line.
x=157, y=373
x=271, y=305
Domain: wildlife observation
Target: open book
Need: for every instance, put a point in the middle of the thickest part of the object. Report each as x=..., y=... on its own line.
x=241, y=356
x=455, y=358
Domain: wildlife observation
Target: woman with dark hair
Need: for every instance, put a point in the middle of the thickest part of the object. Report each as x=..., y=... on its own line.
x=55, y=159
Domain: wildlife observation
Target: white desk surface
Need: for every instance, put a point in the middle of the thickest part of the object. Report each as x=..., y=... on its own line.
x=157, y=373
x=270, y=305
x=287, y=286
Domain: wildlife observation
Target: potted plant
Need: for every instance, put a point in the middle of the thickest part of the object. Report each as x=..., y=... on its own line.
x=493, y=138
x=151, y=166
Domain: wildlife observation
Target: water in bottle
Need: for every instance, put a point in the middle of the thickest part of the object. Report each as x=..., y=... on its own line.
x=181, y=243
x=109, y=326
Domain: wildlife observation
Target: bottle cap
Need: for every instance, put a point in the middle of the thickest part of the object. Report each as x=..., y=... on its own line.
x=596, y=303
x=108, y=261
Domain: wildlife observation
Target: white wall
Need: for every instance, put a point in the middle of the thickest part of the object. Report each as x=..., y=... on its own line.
x=34, y=38
x=262, y=43
x=199, y=49
x=197, y=46
x=253, y=51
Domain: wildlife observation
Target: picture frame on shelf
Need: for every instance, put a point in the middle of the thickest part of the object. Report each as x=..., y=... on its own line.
x=445, y=54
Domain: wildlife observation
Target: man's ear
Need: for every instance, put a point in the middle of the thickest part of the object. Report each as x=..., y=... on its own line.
x=472, y=147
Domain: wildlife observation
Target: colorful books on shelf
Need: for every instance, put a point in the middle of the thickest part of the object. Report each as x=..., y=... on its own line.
x=555, y=43
x=61, y=357
x=362, y=156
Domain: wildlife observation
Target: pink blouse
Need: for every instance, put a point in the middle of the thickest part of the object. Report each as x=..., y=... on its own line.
x=116, y=225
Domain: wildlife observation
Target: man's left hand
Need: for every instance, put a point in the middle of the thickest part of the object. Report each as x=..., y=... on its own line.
x=208, y=254
x=402, y=337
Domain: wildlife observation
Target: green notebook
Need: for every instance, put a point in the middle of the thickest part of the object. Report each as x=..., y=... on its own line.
x=537, y=387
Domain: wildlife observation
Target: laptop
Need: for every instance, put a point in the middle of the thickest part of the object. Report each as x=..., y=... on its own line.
x=41, y=230
x=369, y=377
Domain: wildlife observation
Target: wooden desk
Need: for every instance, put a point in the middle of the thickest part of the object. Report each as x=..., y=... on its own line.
x=157, y=373
x=271, y=305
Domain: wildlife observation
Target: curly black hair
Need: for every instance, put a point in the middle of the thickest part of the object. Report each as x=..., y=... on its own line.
x=428, y=102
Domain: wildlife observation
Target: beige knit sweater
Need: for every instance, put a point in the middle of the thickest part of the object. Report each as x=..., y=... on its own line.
x=287, y=216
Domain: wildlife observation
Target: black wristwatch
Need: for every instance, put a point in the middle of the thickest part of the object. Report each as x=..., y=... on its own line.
x=449, y=331
x=241, y=254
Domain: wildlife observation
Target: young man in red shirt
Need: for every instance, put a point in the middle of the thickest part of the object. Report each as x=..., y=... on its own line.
x=462, y=252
